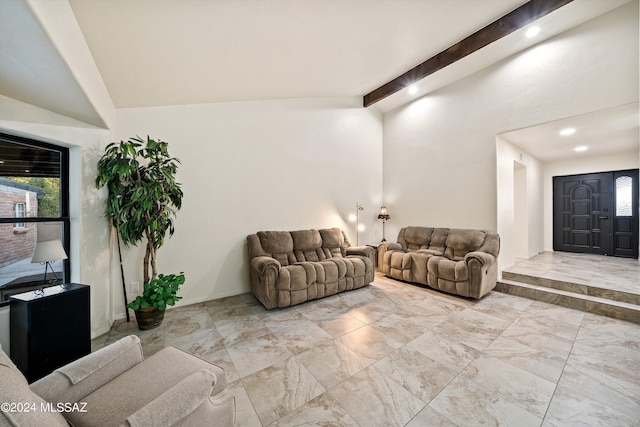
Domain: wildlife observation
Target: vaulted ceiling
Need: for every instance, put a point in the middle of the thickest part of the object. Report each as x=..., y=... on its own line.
x=173, y=52
x=183, y=52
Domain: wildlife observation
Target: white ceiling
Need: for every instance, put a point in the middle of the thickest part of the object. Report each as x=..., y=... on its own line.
x=613, y=130
x=32, y=70
x=172, y=52
x=165, y=52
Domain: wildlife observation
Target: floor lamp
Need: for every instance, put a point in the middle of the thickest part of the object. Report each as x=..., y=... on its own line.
x=356, y=217
x=384, y=216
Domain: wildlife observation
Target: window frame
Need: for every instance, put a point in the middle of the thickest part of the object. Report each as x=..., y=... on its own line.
x=63, y=216
x=617, y=180
x=19, y=225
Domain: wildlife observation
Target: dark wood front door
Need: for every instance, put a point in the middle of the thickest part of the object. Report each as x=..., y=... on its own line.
x=596, y=213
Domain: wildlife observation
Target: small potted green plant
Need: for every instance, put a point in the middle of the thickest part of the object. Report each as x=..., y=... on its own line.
x=156, y=296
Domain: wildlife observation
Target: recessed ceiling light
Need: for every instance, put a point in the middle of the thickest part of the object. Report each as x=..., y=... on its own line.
x=532, y=32
x=1, y=162
x=581, y=148
x=413, y=90
x=567, y=131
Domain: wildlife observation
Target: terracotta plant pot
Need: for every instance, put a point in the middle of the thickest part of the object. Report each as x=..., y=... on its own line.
x=149, y=318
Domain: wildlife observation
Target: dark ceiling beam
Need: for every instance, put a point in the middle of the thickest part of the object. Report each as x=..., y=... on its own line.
x=512, y=21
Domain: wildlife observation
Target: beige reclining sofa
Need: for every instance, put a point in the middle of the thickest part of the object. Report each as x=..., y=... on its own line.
x=290, y=267
x=457, y=261
x=116, y=386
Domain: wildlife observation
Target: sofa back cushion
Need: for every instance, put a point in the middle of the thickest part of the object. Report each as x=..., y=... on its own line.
x=414, y=238
x=289, y=247
x=334, y=242
x=460, y=242
x=307, y=246
x=426, y=238
x=438, y=241
x=278, y=245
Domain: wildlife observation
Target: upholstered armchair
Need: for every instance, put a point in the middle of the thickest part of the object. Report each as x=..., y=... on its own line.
x=116, y=386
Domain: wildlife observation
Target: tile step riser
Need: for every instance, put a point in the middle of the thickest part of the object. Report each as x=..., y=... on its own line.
x=573, y=287
x=575, y=301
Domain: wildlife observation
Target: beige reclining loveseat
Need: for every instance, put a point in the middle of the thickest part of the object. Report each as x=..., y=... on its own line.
x=116, y=386
x=457, y=261
x=290, y=267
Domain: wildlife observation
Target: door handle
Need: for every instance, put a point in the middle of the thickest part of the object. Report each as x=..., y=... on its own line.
x=603, y=217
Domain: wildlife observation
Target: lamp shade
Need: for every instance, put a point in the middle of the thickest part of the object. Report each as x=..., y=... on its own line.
x=48, y=250
x=383, y=215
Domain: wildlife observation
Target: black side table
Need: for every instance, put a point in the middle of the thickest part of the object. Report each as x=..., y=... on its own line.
x=49, y=328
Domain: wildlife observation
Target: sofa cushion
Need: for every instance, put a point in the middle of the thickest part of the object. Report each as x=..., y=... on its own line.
x=295, y=277
x=417, y=237
x=399, y=260
x=342, y=268
x=419, y=261
x=307, y=246
x=333, y=242
x=454, y=271
x=461, y=242
x=14, y=389
x=429, y=252
x=278, y=245
x=438, y=240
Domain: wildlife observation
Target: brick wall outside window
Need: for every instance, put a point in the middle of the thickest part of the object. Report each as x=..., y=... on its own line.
x=17, y=243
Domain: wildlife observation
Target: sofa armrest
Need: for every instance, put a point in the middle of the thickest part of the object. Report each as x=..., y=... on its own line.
x=262, y=264
x=190, y=401
x=390, y=246
x=384, y=248
x=82, y=377
x=483, y=273
x=365, y=251
x=483, y=257
x=263, y=276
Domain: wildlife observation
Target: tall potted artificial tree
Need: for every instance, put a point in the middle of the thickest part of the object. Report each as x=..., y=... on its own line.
x=143, y=200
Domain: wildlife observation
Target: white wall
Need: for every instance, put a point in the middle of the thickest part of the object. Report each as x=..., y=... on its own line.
x=263, y=165
x=440, y=151
x=89, y=230
x=521, y=213
x=519, y=201
x=615, y=162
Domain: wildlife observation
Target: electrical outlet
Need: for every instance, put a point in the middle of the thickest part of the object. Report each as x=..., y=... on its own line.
x=135, y=287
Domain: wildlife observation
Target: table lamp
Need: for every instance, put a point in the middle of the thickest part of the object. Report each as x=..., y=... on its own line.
x=46, y=252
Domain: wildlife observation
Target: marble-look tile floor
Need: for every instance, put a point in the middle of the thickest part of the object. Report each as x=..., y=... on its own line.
x=620, y=274
x=394, y=354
